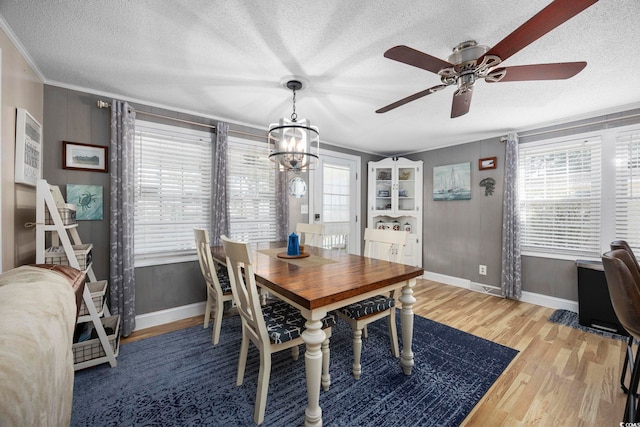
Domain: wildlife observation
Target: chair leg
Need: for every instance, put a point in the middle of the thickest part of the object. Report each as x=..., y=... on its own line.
x=242, y=359
x=263, y=386
x=207, y=310
x=217, y=322
x=627, y=362
x=393, y=333
x=295, y=352
x=326, y=354
x=357, y=351
x=630, y=407
x=365, y=332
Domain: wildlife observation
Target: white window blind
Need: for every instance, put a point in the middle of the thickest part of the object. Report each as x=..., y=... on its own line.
x=628, y=188
x=251, y=190
x=560, y=189
x=173, y=191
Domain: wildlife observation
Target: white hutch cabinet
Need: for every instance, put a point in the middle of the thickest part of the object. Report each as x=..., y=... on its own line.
x=395, y=201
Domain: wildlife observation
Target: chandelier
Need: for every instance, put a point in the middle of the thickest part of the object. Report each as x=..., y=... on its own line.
x=291, y=141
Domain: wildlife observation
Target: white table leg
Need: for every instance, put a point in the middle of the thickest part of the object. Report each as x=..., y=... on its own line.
x=406, y=319
x=313, y=336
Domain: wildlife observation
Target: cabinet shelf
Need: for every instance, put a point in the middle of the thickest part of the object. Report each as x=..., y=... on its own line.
x=104, y=348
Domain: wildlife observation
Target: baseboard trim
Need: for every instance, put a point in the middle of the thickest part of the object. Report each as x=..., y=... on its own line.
x=156, y=318
x=529, y=297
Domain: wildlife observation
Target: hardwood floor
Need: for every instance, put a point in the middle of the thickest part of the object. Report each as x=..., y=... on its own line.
x=562, y=376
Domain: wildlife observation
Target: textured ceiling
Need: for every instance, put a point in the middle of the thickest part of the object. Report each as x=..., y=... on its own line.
x=227, y=59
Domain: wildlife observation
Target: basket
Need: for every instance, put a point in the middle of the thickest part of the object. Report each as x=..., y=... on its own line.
x=97, y=290
x=92, y=349
x=67, y=213
x=56, y=255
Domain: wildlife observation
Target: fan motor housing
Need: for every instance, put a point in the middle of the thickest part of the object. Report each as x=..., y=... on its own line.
x=466, y=52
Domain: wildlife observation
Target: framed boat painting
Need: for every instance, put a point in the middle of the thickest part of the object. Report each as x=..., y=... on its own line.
x=452, y=182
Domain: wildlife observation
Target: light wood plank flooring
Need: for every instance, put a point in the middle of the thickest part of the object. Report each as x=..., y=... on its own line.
x=561, y=377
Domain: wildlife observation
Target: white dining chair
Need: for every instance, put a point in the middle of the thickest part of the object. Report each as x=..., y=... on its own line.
x=217, y=281
x=272, y=327
x=312, y=234
x=386, y=245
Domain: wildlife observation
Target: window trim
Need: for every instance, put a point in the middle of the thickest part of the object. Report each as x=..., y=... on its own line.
x=607, y=193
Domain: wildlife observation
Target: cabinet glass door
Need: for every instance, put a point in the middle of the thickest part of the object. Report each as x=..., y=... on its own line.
x=384, y=188
x=407, y=189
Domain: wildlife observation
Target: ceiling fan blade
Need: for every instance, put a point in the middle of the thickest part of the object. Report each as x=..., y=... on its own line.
x=411, y=98
x=416, y=58
x=556, y=13
x=461, y=103
x=557, y=71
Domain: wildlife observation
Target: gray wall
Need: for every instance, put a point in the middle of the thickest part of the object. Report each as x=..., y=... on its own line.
x=73, y=116
x=458, y=235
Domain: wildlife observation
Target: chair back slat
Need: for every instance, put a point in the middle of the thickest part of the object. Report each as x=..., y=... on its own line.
x=311, y=233
x=244, y=288
x=386, y=245
x=208, y=266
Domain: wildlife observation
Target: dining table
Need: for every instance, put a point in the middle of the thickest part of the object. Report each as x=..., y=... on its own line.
x=324, y=280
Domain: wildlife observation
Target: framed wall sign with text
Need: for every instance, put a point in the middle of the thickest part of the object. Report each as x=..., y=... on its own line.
x=28, y=148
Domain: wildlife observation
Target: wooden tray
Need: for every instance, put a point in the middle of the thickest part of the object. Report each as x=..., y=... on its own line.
x=284, y=255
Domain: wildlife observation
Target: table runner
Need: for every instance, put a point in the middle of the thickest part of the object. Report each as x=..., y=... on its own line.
x=310, y=261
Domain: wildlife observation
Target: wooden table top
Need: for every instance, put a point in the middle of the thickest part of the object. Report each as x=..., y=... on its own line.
x=317, y=284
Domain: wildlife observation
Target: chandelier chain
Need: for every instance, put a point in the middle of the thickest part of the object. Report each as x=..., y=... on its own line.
x=294, y=116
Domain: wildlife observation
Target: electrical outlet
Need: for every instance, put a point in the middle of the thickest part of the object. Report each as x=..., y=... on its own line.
x=482, y=270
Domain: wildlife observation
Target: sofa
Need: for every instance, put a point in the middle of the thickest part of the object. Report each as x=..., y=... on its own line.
x=39, y=306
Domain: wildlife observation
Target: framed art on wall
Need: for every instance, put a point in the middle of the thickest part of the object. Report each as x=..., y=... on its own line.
x=452, y=182
x=84, y=157
x=28, y=148
x=488, y=163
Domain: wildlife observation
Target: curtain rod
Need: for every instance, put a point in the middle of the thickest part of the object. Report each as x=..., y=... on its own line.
x=561, y=129
x=103, y=104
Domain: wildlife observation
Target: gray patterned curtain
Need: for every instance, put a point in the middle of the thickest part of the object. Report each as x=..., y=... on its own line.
x=121, y=274
x=220, y=206
x=511, y=266
x=282, y=205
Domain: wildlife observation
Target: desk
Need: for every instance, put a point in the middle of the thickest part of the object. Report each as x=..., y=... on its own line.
x=319, y=287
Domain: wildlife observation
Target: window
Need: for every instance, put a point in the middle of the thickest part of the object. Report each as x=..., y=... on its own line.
x=173, y=191
x=560, y=193
x=628, y=188
x=251, y=189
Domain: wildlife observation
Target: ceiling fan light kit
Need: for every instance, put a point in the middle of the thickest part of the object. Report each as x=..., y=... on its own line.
x=294, y=144
x=470, y=61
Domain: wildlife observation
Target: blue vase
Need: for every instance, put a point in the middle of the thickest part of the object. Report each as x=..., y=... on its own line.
x=293, y=248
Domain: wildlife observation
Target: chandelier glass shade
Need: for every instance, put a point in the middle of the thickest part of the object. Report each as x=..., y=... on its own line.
x=294, y=144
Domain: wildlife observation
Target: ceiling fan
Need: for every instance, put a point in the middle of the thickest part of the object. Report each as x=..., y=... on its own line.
x=470, y=61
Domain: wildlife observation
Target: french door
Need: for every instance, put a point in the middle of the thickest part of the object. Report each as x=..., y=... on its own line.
x=335, y=200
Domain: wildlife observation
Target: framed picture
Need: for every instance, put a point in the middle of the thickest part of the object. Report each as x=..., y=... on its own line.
x=88, y=201
x=452, y=182
x=488, y=163
x=28, y=148
x=383, y=193
x=84, y=157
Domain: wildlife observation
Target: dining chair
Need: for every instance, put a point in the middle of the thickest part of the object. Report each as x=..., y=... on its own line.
x=312, y=233
x=628, y=359
x=623, y=282
x=217, y=281
x=272, y=327
x=387, y=245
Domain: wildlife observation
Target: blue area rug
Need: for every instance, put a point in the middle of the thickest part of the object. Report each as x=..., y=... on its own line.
x=181, y=379
x=571, y=318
